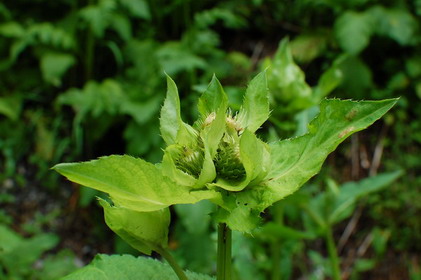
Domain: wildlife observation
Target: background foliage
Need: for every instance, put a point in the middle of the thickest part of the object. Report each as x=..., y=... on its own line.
x=81, y=79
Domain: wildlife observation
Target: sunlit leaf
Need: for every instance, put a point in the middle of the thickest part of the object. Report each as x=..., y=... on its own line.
x=255, y=109
x=131, y=182
x=296, y=160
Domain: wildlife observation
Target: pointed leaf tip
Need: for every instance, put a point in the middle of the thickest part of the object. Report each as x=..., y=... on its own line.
x=213, y=99
x=255, y=109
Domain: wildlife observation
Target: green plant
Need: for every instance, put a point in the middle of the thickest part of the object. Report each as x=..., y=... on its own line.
x=220, y=159
x=318, y=212
x=19, y=256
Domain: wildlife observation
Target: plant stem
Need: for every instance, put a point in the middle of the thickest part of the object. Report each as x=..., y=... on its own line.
x=223, y=268
x=333, y=254
x=171, y=261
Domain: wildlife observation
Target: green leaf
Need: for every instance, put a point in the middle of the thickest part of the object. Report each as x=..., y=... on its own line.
x=329, y=80
x=286, y=81
x=11, y=107
x=350, y=192
x=122, y=25
x=138, y=8
x=357, y=76
x=213, y=99
x=307, y=47
x=173, y=129
x=255, y=109
x=131, y=182
x=353, y=31
x=294, y=161
x=127, y=267
x=17, y=254
x=144, y=231
x=12, y=30
x=274, y=231
x=395, y=23
x=55, y=65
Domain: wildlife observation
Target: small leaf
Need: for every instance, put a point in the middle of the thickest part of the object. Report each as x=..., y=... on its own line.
x=12, y=29
x=11, y=107
x=128, y=267
x=138, y=8
x=286, y=81
x=55, y=65
x=294, y=161
x=350, y=192
x=131, y=182
x=255, y=109
x=274, y=231
x=395, y=23
x=173, y=129
x=144, y=231
x=329, y=80
x=354, y=31
x=212, y=99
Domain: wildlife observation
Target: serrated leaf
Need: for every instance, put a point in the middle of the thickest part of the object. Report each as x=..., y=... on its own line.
x=144, y=231
x=294, y=161
x=213, y=99
x=131, y=182
x=255, y=109
x=127, y=267
x=173, y=129
x=353, y=31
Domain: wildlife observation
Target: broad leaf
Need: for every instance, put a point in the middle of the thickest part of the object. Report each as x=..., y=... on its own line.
x=294, y=161
x=127, y=267
x=144, y=231
x=131, y=182
x=255, y=109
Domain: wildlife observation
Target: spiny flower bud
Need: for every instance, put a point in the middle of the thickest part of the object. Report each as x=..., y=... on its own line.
x=190, y=160
x=227, y=162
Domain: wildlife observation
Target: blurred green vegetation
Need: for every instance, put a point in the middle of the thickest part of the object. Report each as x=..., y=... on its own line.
x=85, y=78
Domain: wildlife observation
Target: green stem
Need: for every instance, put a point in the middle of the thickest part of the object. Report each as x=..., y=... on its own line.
x=276, y=259
x=171, y=261
x=223, y=268
x=333, y=254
